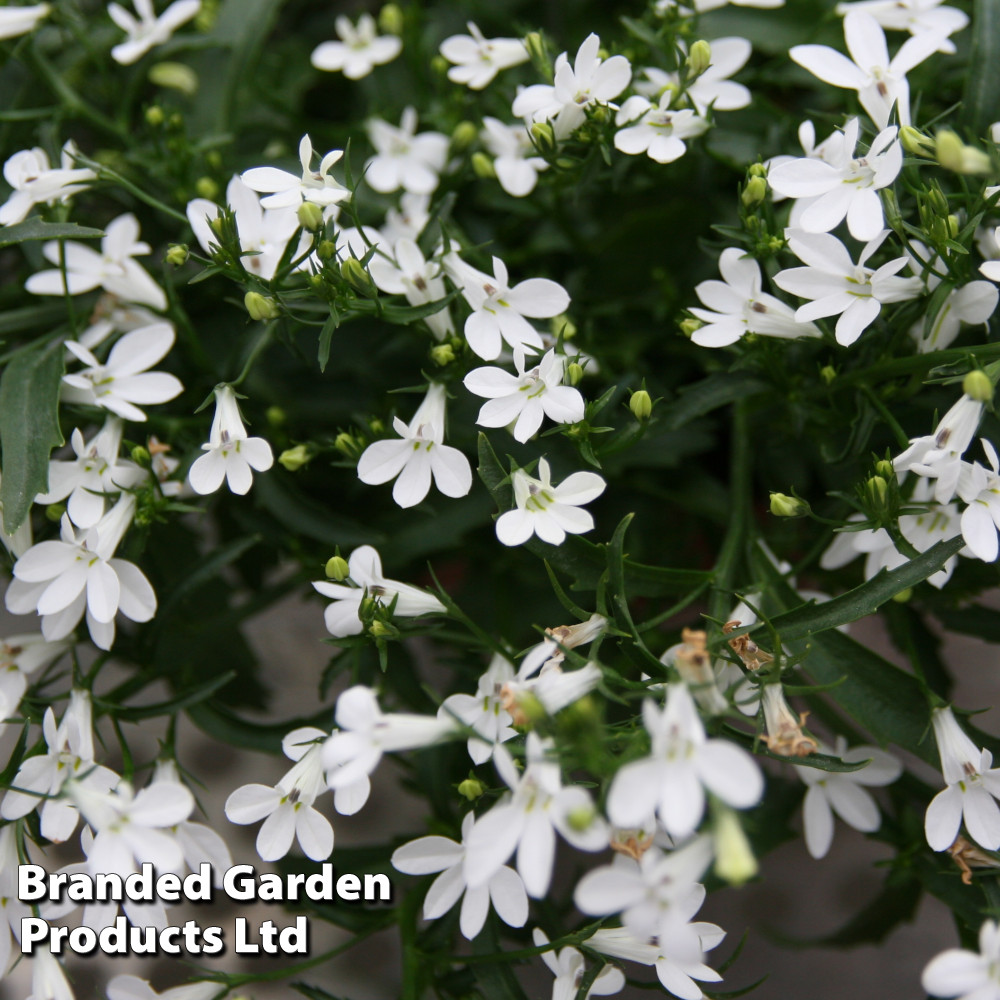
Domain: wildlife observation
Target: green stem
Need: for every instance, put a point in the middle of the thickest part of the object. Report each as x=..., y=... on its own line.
x=901, y=439
x=259, y=346
x=106, y=173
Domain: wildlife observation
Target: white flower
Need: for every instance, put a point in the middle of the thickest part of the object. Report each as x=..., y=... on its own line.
x=48, y=981
x=526, y=398
x=122, y=381
x=404, y=159
x=418, y=455
x=880, y=83
x=359, y=50
x=551, y=512
x=966, y=974
x=365, y=568
x=287, y=190
x=483, y=711
x=713, y=88
x=134, y=988
x=841, y=184
x=229, y=453
x=112, y=269
x=35, y=182
x=528, y=819
x=477, y=60
x=973, y=787
x=737, y=305
x=148, y=30
x=839, y=287
x=558, y=639
x=20, y=656
x=95, y=470
x=62, y=579
x=656, y=130
x=843, y=793
x=264, y=233
x=16, y=21
x=516, y=166
x=504, y=889
x=288, y=806
x=588, y=82
x=568, y=966
x=702, y=6
x=681, y=764
x=409, y=220
x=499, y=311
x=553, y=688
x=407, y=272
x=914, y=16
x=981, y=519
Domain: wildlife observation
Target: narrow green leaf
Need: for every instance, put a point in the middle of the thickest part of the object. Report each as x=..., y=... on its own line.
x=29, y=427
x=227, y=727
x=982, y=85
x=35, y=229
x=975, y=619
x=172, y=705
x=326, y=335
x=719, y=389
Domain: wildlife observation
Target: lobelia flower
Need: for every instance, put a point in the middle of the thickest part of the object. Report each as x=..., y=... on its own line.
x=484, y=711
x=504, y=889
x=35, y=182
x=844, y=793
x=477, y=60
x=973, y=786
x=408, y=221
x=12, y=910
x=229, y=454
x=914, y=16
x=287, y=808
x=736, y=305
x=880, y=83
x=21, y=656
x=122, y=381
x=526, y=398
x=15, y=21
x=61, y=579
x=965, y=974
x=359, y=50
x=588, y=82
x=981, y=519
x=569, y=966
x=404, y=159
x=516, y=166
x=48, y=981
x=713, y=88
x=134, y=988
x=528, y=819
x=148, y=30
x=548, y=511
x=113, y=269
x=784, y=733
x=406, y=272
x=95, y=470
x=499, y=311
x=419, y=455
x=839, y=287
x=365, y=568
x=287, y=190
x=841, y=184
x=654, y=129
x=703, y=6
x=681, y=764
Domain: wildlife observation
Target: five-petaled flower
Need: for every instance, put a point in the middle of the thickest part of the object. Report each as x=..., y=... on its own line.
x=147, y=31
x=287, y=190
x=359, y=50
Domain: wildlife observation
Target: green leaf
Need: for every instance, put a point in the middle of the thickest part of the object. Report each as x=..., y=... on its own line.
x=35, y=229
x=326, y=335
x=173, y=705
x=718, y=390
x=227, y=727
x=29, y=427
x=982, y=85
x=977, y=620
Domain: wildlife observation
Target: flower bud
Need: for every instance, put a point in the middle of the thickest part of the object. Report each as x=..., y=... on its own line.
x=218, y=226
x=443, y=354
x=937, y=200
x=689, y=326
x=978, y=385
x=383, y=630
x=175, y=76
x=734, y=860
x=699, y=58
x=877, y=489
x=782, y=505
x=574, y=372
x=581, y=818
x=54, y=512
x=376, y=425
x=294, y=458
x=915, y=142
x=276, y=416
x=261, y=307
x=563, y=326
x=463, y=136
x=544, y=138
x=155, y=116
x=754, y=192
x=177, y=254
x=347, y=445
x=141, y=456
x=828, y=373
x=903, y=596
x=206, y=188
x=641, y=405
x=390, y=19
x=471, y=788
x=206, y=17
x=357, y=277
x=883, y=468
x=326, y=251
x=316, y=282
x=893, y=216
x=954, y=155
x=538, y=52
x=482, y=166
x=440, y=65
x=310, y=216
x=337, y=569
x=757, y=170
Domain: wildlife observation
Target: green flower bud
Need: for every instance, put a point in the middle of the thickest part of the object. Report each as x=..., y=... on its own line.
x=689, y=326
x=877, y=488
x=218, y=226
x=538, y=52
x=294, y=458
x=337, y=569
x=828, y=373
x=177, y=254
x=261, y=307
x=383, y=630
x=563, y=326
x=175, y=76
x=544, y=138
x=357, y=277
x=347, y=445
x=937, y=200
x=206, y=17
x=206, y=188
x=641, y=405
x=574, y=372
x=893, y=216
x=954, y=227
x=55, y=511
x=978, y=385
x=903, y=596
x=326, y=251
x=482, y=166
x=390, y=19
x=141, y=456
x=883, y=468
x=471, y=789
x=440, y=65
x=316, y=282
x=276, y=416
x=376, y=425
x=915, y=142
x=754, y=192
x=954, y=155
x=566, y=163
x=214, y=159
x=581, y=818
x=699, y=58
x=734, y=860
x=782, y=505
x=310, y=216
x=757, y=170
x=442, y=354
x=463, y=136
x=154, y=115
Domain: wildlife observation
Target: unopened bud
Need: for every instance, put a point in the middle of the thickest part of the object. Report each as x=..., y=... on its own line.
x=177, y=254
x=218, y=226
x=689, y=326
x=537, y=50
x=327, y=250
x=903, y=596
x=937, y=200
x=141, y=456
x=382, y=630
x=440, y=65
x=376, y=425
x=883, y=468
x=175, y=76
x=877, y=489
x=206, y=17
x=544, y=138
x=310, y=216
x=357, y=277
x=641, y=405
x=463, y=136
x=346, y=444
x=893, y=216
x=471, y=789
x=155, y=115
x=574, y=372
x=953, y=226
x=206, y=188
x=337, y=569
x=261, y=307
x=294, y=458
x=699, y=58
x=782, y=505
x=754, y=192
x=390, y=19
x=54, y=512
x=482, y=166
x=275, y=415
x=734, y=860
x=978, y=385
x=915, y=142
x=757, y=170
x=316, y=282
x=828, y=373
x=442, y=354
x=581, y=818
x=563, y=326
x=953, y=154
